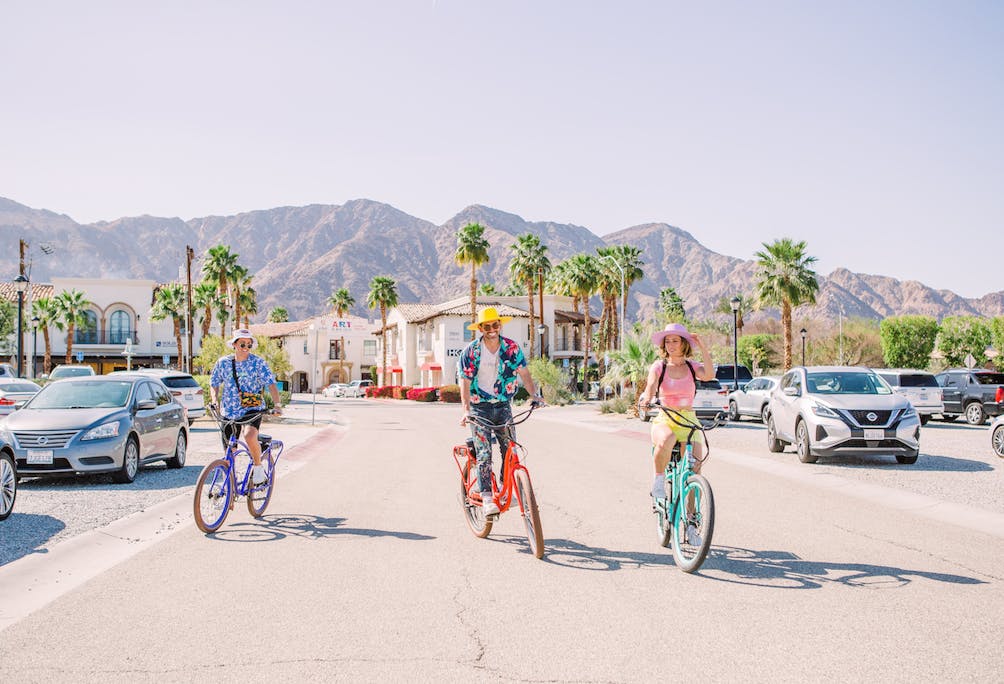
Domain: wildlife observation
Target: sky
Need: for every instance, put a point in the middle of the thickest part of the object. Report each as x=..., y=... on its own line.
x=873, y=131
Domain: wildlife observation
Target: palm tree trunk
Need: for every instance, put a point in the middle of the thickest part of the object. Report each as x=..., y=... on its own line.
x=529, y=289
x=474, y=294
x=786, y=325
x=69, y=342
x=207, y=321
x=177, y=338
x=383, y=328
x=585, y=360
x=47, y=359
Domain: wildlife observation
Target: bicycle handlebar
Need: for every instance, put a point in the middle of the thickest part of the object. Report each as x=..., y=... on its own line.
x=516, y=419
x=247, y=418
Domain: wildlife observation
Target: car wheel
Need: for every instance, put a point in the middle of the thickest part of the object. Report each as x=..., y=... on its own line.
x=997, y=440
x=764, y=413
x=130, y=463
x=907, y=459
x=802, y=445
x=733, y=411
x=975, y=415
x=774, y=444
x=178, y=460
x=8, y=485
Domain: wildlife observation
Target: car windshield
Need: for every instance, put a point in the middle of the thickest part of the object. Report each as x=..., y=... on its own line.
x=18, y=387
x=71, y=372
x=845, y=382
x=97, y=394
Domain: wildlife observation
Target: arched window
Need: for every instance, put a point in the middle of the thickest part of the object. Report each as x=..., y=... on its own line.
x=119, y=327
x=87, y=332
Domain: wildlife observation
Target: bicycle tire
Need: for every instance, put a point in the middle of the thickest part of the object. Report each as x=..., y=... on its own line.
x=690, y=557
x=473, y=514
x=663, y=526
x=214, y=494
x=8, y=484
x=531, y=514
x=259, y=496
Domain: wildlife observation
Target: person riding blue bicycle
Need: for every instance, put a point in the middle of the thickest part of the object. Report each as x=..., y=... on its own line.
x=491, y=369
x=242, y=377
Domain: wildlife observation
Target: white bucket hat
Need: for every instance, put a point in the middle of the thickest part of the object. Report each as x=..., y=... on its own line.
x=243, y=334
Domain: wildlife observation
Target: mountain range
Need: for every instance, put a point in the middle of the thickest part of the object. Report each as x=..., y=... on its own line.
x=300, y=255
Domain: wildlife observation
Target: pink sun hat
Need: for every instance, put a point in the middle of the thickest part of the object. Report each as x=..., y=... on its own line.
x=672, y=329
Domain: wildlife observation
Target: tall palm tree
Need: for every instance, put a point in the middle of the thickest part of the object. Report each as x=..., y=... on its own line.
x=170, y=301
x=472, y=248
x=746, y=303
x=631, y=363
x=609, y=285
x=204, y=298
x=47, y=312
x=582, y=279
x=217, y=267
x=72, y=307
x=784, y=279
x=340, y=302
x=248, y=300
x=529, y=263
x=240, y=280
x=629, y=259
x=382, y=294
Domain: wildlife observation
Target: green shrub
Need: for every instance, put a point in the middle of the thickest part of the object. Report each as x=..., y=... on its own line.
x=450, y=394
x=616, y=405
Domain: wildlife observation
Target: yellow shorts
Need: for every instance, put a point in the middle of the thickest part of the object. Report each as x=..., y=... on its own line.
x=679, y=431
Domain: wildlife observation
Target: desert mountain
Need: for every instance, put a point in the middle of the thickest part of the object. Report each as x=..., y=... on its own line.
x=299, y=255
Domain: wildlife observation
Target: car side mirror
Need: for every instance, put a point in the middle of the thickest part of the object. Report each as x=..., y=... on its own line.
x=790, y=391
x=145, y=404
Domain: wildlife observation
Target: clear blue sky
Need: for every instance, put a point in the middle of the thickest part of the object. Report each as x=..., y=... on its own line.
x=872, y=130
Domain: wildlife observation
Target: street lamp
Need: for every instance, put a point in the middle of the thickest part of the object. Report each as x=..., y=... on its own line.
x=734, y=303
x=34, y=342
x=803, y=333
x=541, y=329
x=313, y=373
x=128, y=353
x=20, y=284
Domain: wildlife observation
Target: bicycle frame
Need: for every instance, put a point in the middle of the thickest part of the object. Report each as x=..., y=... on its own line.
x=462, y=454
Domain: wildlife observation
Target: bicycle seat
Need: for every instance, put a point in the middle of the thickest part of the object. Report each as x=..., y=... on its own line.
x=264, y=440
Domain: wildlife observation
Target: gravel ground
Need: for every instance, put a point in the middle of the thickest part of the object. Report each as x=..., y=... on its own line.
x=956, y=464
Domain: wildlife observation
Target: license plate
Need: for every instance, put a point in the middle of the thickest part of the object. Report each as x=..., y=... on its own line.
x=40, y=456
x=874, y=434
x=923, y=397
x=189, y=396
x=705, y=403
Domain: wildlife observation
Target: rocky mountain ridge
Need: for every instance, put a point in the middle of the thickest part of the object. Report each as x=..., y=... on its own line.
x=299, y=255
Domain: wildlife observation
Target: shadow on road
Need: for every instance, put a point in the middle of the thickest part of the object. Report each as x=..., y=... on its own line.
x=306, y=526
x=578, y=556
x=32, y=531
x=785, y=570
x=925, y=462
x=154, y=476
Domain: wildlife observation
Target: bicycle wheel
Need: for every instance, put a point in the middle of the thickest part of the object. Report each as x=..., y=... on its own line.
x=473, y=513
x=531, y=515
x=8, y=485
x=260, y=495
x=691, y=550
x=663, y=525
x=214, y=493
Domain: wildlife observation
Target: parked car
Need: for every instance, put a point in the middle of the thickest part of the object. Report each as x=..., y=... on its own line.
x=101, y=424
x=357, y=388
x=13, y=393
x=832, y=410
x=751, y=399
x=335, y=389
x=975, y=393
x=7, y=371
x=185, y=389
x=997, y=436
x=727, y=376
x=8, y=480
x=710, y=400
x=920, y=387
x=69, y=370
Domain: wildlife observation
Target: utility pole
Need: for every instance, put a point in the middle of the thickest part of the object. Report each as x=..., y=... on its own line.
x=540, y=282
x=189, y=255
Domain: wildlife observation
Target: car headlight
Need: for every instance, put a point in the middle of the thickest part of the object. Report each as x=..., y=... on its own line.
x=824, y=411
x=910, y=412
x=102, y=431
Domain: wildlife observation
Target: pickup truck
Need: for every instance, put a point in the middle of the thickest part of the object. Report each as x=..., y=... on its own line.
x=974, y=393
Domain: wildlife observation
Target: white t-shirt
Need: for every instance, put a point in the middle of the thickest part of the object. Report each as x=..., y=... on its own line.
x=488, y=370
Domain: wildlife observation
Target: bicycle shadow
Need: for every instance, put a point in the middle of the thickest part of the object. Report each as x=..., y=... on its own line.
x=786, y=570
x=280, y=526
x=572, y=554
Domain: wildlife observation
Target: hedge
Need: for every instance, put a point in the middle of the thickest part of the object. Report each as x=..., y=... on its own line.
x=450, y=394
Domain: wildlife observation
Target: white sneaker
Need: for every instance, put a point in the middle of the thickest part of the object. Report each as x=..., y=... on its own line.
x=258, y=475
x=488, y=506
x=692, y=536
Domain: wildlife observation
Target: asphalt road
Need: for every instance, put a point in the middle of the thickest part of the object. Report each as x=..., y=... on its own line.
x=362, y=569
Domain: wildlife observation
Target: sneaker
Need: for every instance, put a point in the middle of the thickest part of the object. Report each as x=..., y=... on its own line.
x=258, y=475
x=692, y=536
x=489, y=506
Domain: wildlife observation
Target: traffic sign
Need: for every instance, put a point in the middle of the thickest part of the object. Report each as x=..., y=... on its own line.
x=166, y=358
x=80, y=356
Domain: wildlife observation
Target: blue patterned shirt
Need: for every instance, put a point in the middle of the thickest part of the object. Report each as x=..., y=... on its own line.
x=254, y=376
x=507, y=383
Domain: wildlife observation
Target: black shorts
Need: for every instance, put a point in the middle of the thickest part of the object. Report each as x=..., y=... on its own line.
x=235, y=429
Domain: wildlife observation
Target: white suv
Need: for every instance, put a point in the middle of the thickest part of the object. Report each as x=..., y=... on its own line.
x=183, y=387
x=920, y=387
x=357, y=388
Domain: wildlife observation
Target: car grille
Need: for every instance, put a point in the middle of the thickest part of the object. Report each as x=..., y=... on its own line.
x=861, y=417
x=44, y=439
x=57, y=464
x=858, y=443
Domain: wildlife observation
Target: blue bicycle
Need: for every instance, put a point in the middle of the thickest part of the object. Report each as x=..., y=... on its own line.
x=686, y=517
x=219, y=484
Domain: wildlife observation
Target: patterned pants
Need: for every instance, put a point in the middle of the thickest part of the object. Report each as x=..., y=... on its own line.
x=496, y=413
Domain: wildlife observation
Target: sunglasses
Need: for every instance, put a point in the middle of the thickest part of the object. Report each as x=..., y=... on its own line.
x=491, y=326
x=244, y=345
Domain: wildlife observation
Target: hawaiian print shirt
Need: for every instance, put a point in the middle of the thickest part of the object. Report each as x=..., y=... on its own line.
x=254, y=376
x=507, y=383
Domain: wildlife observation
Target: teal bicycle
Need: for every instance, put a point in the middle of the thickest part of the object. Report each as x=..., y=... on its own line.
x=686, y=517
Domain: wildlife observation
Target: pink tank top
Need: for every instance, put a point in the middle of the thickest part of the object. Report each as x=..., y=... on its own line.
x=676, y=393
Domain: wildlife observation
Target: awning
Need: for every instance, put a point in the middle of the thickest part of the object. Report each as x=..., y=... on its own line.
x=396, y=370
x=431, y=367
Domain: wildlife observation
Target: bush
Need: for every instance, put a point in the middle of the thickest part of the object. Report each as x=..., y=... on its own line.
x=399, y=392
x=423, y=394
x=450, y=394
x=617, y=405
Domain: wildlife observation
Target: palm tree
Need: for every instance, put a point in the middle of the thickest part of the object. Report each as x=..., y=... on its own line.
x=724, y=306
x=528, y=264
x=278, y=315
x=169, y=301
x=218, y=267
x=784, y=279
x=46, y=311
x=472, y=248
x=72, y=307
x=383, y=294
x=204, y=298
x=340, y=302
x=609, y=285
x=631, y=363
x=240, y=280
x=628, y=258
x=248, y=301
x=583, y=276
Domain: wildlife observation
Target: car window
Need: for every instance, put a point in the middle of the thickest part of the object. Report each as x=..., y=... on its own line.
x=18, y=387
x=144, y=392
x=97, y=394
x=180, y=381
x=160, y=394
x=915, y=380
x=990, y=378
x=891, y=378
